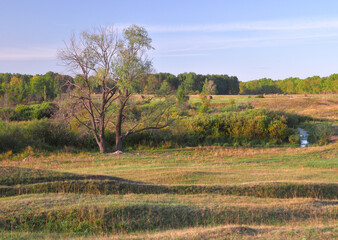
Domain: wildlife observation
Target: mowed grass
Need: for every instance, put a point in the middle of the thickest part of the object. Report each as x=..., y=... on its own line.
x=180, y=193
x=186, y=193
x=204, y=165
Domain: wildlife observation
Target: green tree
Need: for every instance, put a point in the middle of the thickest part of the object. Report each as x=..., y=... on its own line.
x=117, y=66
x=209, y=87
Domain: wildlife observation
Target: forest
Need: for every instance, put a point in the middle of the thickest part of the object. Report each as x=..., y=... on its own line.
x=27, y=89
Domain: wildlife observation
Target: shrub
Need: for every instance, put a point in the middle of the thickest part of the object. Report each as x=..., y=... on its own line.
x=44, y=110
x=43, y=134
x=7, y=114
x=37, y=111
x=319, y=132
x=241, y=127
x=24, y=112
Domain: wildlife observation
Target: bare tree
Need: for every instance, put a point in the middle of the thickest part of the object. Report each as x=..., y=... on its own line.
x=114, y=67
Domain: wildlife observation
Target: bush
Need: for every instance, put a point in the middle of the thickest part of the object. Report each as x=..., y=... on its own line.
x=250, y=127
x=12, y=137
x=319, y=132
x=7, y=114
x=37, y=111
x=240, y=127
x=44, y=110
x=24, y=112
x=43, y=134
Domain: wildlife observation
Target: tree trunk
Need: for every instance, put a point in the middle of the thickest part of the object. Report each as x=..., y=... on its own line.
x=118, y=143
x=102, y=146
x=118, y=129
x=118, y=137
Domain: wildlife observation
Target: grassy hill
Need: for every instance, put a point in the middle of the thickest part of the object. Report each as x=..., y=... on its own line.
x=186, y=193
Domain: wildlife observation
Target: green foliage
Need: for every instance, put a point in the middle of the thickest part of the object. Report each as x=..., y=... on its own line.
x=237, y=125
x=44, y=110
x=7, y=114
x=311, y=85
x=42, y=134
x=209, y=87
x=319, y=132
x=22, y=89
x=180, y=95
x=241, y=127
x=30, y=112
x=205, y=103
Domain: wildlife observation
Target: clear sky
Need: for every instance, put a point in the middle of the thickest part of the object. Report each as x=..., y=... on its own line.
x=250, y=39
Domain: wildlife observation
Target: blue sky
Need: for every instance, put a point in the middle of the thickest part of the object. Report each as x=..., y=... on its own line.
x=250, y=39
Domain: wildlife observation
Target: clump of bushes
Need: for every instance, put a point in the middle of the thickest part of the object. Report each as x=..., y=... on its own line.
x=241, y=127
x=29, y=112
x=44, y=134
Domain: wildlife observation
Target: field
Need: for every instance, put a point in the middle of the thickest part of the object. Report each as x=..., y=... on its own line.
x=185, y=193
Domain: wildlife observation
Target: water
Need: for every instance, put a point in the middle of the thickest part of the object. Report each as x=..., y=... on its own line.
x=303, y=138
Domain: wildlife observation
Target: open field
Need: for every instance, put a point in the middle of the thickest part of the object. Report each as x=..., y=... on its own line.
x=323, y=106
x=185, y=193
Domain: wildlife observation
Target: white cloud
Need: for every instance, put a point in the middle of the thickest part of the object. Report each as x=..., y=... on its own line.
x=197, y=46
x=274, y=25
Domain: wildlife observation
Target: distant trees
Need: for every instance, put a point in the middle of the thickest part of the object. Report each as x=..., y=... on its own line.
x=310, y=85
x=191, y=83
x=22, y=88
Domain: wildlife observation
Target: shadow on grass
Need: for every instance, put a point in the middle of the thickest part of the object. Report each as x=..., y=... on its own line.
x=17, y=181
x=149, y=217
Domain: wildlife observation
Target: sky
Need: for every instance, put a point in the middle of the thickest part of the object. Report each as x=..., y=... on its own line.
x=250, y=39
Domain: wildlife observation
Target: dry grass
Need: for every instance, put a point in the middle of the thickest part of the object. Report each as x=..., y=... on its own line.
x=321, y=106
x=210, y=165
x=238, y=232
x=317, y=106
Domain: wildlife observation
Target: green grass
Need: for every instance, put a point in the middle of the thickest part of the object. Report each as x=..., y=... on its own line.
x=185, y=193
x=132, y=213
x=275, y=192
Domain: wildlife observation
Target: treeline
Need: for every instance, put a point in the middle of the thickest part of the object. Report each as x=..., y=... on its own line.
x=191, y=83
x=27, y=89
x=23, y=88
x=311, y=85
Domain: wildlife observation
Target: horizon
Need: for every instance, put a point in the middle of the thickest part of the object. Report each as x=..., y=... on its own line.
x=249, y=40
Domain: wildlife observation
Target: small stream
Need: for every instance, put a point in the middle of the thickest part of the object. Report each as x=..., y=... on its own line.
x=303, y=138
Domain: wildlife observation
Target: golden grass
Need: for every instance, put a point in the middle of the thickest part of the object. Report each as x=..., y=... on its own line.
x=323, y=106
x=235, y=232
x=209, y=165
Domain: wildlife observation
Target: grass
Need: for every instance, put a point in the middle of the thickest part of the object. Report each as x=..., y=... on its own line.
x=186, y=193
x=320, y=106
x=242, y=192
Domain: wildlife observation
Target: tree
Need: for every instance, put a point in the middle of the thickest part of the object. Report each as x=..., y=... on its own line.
x=116, y=65
x=209, y=87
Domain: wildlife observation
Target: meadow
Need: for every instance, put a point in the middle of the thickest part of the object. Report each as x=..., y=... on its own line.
x=201, y=192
